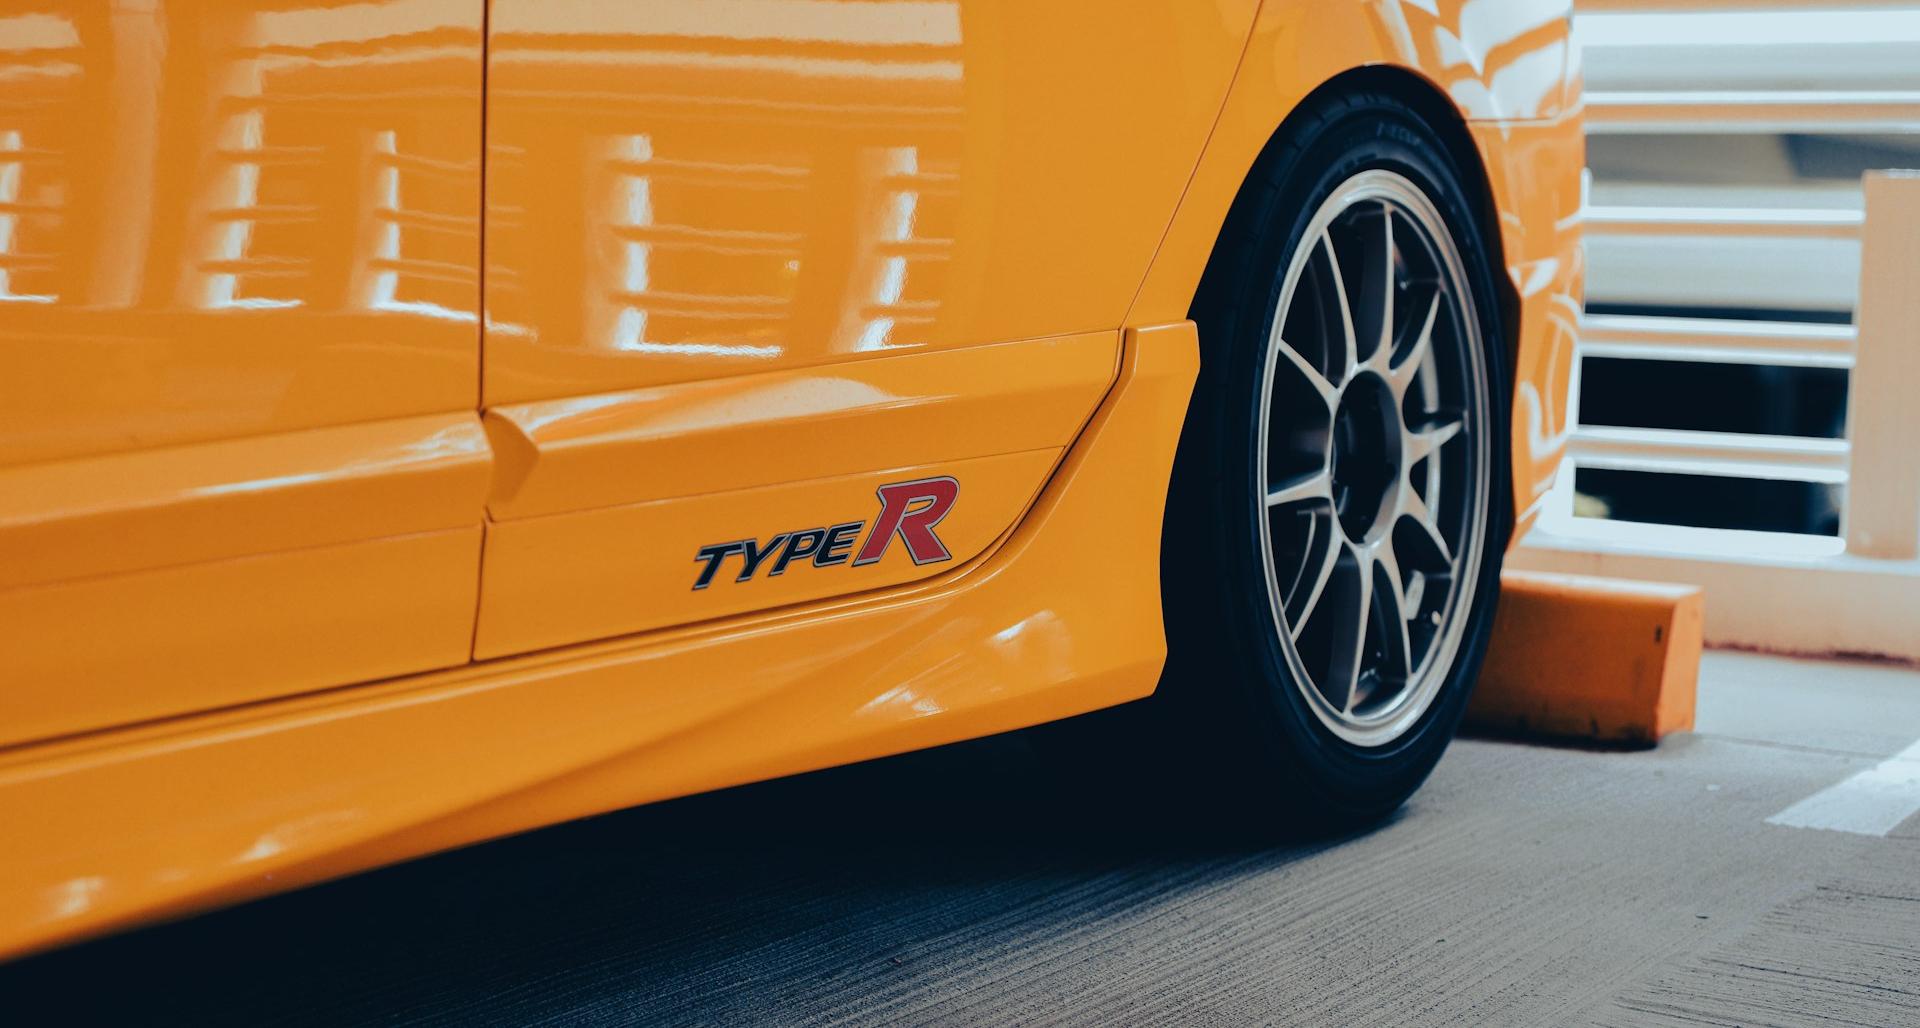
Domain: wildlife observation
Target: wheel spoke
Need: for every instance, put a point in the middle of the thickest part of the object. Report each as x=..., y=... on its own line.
x=1366, y=571
x=1318, y=382
x=1437, y=432
x=1322, y=575
x=1413, y=507
x=1314, y=485
x=1401, y=374
x=1383, y=346
x=1392, y=610
x=1350, y=344
x=1350, y=637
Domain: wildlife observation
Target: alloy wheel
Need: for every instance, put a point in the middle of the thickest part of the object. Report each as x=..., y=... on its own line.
x=1373, y=463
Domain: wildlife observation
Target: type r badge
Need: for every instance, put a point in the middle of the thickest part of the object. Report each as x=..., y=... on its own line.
x=908, y=512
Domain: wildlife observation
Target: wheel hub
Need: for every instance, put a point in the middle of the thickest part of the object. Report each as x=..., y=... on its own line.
x=1366, y=458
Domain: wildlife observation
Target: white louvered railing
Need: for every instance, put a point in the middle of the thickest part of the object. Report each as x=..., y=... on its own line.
x=1719, y=341
x=1724, y=71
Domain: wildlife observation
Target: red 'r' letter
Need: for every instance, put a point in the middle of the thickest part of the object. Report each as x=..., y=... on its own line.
x=910, y=510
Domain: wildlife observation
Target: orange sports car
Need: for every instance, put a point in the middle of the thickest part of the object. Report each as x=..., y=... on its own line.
x=424, y=420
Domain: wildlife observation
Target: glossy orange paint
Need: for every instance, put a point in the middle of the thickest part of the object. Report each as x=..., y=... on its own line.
x=241, y=339
x=230, y=219
x=239, y=356
x=596, y=493
x=1506, y=70
x=1534, y=171
x=153, y=820
x=1296, y=48
x=694, y=205
x=678, y=193
x=172, y=580
x=570, y=577
x=238, y=497
x=94, y=652
x=776, y=427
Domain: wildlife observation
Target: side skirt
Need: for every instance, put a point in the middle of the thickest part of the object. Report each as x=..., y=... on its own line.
x=1060, y=617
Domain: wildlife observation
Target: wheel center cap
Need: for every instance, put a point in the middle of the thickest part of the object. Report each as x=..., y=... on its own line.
x=1366, y=458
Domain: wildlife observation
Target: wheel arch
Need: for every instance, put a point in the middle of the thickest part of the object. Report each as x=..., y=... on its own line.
x=1207, y=211
x=1425, y=98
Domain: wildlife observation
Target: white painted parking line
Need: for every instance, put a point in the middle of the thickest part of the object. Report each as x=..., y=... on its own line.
x=1872, y=802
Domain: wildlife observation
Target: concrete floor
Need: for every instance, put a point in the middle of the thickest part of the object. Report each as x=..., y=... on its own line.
x=1524, y=885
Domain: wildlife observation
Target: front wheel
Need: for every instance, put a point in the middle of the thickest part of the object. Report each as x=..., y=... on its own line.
x=1340, y=503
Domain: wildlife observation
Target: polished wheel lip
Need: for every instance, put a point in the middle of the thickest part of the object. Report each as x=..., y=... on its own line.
x=1368, y=572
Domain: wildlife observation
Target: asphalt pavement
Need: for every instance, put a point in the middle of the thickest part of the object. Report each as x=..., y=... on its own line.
x=1764, y=870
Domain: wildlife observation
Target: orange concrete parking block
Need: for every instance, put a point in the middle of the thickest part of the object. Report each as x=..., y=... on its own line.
x=1601, y=659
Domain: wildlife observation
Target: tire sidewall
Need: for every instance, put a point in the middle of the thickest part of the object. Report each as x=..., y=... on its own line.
x=1236, y=306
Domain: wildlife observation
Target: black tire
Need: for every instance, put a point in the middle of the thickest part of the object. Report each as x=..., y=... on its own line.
x=1230, y=699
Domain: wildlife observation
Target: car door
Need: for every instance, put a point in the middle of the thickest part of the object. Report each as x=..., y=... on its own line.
x=788, y=299
x=240, y=453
